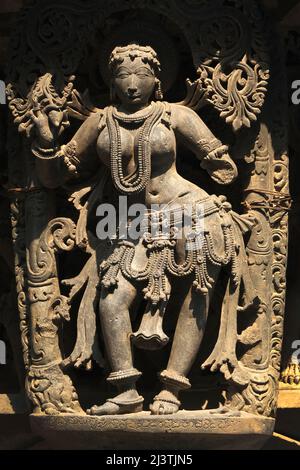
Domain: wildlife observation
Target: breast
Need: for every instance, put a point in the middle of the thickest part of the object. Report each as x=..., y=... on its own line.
x=162, y=140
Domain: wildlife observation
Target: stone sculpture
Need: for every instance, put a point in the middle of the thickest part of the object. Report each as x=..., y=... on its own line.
x=229, y=259
x=137, y=141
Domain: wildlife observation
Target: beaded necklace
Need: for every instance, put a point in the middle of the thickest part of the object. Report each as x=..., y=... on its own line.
x=138, y=180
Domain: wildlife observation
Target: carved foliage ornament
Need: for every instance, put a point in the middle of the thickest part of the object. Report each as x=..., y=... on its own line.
x=42, y=95
x=227, y=43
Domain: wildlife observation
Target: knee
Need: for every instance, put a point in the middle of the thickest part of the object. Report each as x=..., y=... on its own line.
x=113, y=305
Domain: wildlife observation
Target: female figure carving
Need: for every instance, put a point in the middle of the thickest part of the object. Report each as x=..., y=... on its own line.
x=136, y=139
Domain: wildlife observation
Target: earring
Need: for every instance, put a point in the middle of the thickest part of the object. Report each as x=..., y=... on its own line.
x=158, y=92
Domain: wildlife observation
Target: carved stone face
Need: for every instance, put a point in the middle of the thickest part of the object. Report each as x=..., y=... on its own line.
x=134, y=82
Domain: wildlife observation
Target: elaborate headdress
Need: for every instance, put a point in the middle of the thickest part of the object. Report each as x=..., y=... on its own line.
x=148, y=56
x=145, y=40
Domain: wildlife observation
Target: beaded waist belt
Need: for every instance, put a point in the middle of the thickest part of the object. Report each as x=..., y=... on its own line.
x=160, y=247
x=167, y=222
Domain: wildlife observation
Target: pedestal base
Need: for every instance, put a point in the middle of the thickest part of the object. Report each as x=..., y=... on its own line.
x=185, y=430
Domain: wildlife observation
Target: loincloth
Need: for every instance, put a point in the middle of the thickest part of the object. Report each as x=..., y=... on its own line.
x=159, y=239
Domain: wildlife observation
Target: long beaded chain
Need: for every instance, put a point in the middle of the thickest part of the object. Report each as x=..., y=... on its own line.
x=137, y=181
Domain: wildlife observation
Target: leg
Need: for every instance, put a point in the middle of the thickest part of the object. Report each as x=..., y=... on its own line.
x=187, y=340
x=116, y=326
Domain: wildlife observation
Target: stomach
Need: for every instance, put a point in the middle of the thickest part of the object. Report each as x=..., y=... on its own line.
x=171, y=187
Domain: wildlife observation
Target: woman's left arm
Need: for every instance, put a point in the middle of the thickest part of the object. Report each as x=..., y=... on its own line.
x=196, y=136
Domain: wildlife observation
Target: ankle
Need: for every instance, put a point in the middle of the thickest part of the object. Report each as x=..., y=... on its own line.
x=174, y=382
x=125, y=380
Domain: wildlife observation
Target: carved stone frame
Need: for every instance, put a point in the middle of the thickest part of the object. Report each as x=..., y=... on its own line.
x=239, y=101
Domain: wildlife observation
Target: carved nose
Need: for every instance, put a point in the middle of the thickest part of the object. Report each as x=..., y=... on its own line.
x=132, y=89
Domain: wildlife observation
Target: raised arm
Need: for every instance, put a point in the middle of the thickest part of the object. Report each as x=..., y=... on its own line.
x=196, y=136
x=55, y=164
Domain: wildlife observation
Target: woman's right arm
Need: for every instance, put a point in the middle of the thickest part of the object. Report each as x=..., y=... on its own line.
x=56, y=164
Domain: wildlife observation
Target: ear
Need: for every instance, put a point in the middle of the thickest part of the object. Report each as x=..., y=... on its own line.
x=222, y=169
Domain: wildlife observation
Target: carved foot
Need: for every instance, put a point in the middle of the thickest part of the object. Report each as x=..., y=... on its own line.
x=291, y=375
x=165, y=403
x=127, y=402
x=107, y=409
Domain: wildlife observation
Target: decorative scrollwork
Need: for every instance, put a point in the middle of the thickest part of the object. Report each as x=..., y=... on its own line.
x=279, y=223
x=51, y=391
x=233, y=75
x=18, y=237
x=238, y=96
x=59, y=235
x=43, y=95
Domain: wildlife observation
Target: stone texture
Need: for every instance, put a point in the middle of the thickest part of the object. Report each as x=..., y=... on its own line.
x=10, y=6
x=49, y=387
x=185, y=430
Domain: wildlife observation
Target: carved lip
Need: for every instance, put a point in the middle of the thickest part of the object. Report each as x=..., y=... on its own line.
x=133, y=97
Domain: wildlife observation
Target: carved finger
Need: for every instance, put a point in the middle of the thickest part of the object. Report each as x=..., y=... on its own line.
x=28, y=130
x=51, y=107
x=66, y=121
x=69, y=282
x=35, y=102
x=44, y=102
x=76, y=284
x=34, y=118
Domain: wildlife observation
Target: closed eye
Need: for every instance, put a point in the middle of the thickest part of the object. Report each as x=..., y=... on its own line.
x=122, y=75
x=143, y=75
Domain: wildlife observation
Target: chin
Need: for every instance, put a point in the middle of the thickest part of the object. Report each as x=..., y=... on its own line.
x=135, y=101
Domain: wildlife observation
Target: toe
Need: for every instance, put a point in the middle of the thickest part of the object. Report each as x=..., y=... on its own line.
x=163, y=408
x=90, y=411
x=154, y=408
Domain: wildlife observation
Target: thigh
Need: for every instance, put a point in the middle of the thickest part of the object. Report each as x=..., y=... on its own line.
x=187, y=301
x=126, y=295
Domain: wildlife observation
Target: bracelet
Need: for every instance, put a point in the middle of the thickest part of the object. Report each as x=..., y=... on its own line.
x=44, y=154
x=69, y=157
x=208, y=146
x=217, y=153
x=66, y=152
x=70, y=152
x=70, y=166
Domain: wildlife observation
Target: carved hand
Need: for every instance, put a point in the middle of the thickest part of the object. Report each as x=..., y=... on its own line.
x=221, y=169
x=50, y=122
